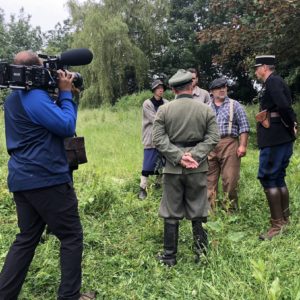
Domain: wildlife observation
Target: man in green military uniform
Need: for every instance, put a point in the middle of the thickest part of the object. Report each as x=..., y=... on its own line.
x=184, y=131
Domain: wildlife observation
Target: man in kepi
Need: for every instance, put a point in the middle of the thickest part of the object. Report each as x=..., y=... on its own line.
x=275, y=140
x=150, y=161
x=39, y=178
x=225, y=159
x=184, y=131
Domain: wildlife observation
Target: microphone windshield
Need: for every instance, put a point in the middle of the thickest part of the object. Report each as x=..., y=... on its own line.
x=76, y=57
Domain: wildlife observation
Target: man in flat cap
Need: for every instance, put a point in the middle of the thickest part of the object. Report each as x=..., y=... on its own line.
x=150, y=107
x=198, y=93
x=275, y=137
x=225, y=159
x=184, y=131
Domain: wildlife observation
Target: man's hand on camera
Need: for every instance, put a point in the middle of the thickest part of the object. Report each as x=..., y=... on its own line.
x=76, y=94
x=65, y=81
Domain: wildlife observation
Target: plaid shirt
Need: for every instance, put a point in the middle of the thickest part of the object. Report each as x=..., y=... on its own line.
x=240, y=122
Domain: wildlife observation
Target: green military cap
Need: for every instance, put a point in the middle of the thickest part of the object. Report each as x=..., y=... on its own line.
x=181, y=77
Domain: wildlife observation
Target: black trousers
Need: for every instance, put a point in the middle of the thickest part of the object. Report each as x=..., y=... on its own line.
x=57, y=207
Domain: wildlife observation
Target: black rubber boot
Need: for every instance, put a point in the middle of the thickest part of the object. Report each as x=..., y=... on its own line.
x=274, y=200
x=171, y=228
x=200, y=239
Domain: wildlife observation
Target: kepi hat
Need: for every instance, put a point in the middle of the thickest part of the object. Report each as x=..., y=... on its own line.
x=264, y=60
x=181, y=77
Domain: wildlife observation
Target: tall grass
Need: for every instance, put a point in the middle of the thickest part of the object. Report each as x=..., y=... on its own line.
x=122, y=234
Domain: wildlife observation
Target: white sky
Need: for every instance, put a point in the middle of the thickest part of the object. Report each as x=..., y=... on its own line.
x=44, y=13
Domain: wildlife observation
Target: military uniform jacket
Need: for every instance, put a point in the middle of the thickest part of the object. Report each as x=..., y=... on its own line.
x=276, y=97
x=180, y=121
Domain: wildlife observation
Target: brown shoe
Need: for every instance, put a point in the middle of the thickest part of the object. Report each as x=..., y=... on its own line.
x=276, y=228
x=87, y=296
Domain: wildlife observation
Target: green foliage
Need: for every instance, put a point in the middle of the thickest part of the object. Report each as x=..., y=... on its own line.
x=20, y=35
x=242, y=29
x=136, y=100
x=100, y=196
x=134, y=40
x=58, y=39
x=108, y=37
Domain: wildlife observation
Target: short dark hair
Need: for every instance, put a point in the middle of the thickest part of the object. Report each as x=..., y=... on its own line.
x=27, y=58
x=193, y=70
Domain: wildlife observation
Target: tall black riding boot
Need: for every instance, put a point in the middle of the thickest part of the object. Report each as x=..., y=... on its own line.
x=170, y=243
x=200, y=239
x=277, y=222
x=285, y=203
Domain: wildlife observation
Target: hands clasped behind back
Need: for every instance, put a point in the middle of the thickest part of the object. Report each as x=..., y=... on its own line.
x=188, y=162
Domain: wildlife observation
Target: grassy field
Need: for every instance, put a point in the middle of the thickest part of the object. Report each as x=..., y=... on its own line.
x=122, y=235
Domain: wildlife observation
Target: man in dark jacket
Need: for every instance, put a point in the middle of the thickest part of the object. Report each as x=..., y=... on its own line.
x=39, y=178
x=275, y=140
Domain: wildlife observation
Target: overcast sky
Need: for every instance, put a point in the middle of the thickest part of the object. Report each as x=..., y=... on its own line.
x=44, y=13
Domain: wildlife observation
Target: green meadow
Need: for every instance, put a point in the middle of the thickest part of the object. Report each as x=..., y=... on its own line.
x=122, y=234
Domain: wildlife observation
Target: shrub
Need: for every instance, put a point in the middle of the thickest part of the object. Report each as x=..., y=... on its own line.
x=137, y=99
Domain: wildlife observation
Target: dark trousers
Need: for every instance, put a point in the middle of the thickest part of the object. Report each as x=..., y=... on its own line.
x=273, y=162
x=57, y=207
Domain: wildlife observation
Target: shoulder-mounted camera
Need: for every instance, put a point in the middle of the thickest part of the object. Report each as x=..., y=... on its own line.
x=45, y=76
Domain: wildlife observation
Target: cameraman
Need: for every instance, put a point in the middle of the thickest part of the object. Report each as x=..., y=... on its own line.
x=39, y=178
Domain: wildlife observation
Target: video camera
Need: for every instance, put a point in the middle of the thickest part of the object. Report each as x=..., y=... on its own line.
x=44, y=77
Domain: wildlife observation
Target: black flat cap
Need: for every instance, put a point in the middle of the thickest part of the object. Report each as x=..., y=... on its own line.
x=217, y=83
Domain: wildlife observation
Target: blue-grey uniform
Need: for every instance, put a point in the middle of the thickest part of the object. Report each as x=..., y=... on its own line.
x=275, y=142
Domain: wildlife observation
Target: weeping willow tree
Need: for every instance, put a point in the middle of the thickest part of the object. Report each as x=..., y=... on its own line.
x=115, y=55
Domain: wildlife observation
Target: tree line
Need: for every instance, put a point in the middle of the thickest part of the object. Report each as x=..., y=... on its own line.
x=134, y=41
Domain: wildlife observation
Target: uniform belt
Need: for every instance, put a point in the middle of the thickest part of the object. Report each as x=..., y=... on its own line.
x=185, y=144
x=274, y=114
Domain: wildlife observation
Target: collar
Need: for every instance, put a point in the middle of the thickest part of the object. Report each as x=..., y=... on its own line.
x=184, y=96
x=269, y=77
x=196, y=91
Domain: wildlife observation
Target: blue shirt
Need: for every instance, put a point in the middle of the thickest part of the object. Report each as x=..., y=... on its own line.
x=35, y=129
x=240, y=122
